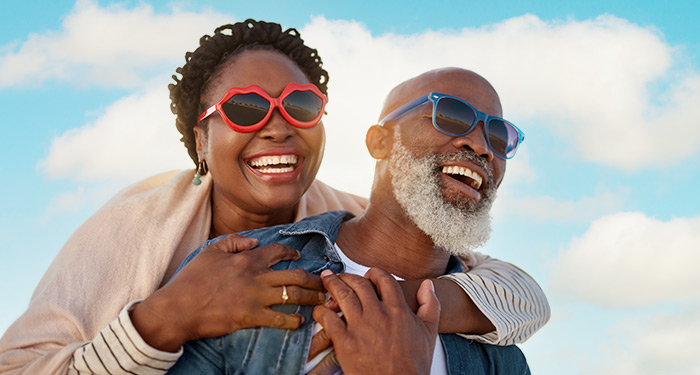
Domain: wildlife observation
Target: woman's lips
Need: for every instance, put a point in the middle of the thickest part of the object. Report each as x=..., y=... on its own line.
x=275, y=168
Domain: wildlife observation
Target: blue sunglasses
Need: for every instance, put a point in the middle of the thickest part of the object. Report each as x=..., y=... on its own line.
x=453, y=116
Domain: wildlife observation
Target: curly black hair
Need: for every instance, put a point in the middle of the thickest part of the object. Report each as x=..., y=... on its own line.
x=228, y=41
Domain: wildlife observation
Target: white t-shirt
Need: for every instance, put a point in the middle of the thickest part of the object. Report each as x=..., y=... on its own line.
x=439, y=364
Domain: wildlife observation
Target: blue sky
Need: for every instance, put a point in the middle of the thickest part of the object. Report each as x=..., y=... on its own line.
x=599, y=205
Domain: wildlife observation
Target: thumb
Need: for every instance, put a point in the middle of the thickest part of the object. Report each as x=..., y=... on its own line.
x=235, y=243
x=428, y=305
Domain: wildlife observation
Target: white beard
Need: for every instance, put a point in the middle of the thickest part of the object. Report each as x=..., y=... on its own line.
x=457, y=228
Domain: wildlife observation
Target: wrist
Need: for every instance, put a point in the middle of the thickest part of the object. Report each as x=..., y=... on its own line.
x=155, y=322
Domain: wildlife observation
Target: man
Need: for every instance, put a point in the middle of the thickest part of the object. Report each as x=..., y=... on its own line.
x=440, y=158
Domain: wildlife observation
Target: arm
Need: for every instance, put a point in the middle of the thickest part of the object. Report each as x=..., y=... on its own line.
x=493, y=302
x=219, y=292
x=504, y=294
x=42, y=341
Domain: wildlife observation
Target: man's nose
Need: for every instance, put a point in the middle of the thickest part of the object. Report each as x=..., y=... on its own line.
x=475, y=141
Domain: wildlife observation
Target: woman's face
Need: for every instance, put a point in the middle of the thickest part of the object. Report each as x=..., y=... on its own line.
x=244, y=165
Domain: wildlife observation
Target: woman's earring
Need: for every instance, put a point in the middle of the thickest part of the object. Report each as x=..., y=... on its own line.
x=202, y=169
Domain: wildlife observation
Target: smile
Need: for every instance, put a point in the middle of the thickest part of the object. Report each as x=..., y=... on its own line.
x=274, y=163
x=464, y=175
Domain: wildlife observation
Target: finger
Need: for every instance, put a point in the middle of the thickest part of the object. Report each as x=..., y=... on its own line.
x=332, y=304
x=329, y=365
x=319, y=342
x=295, y=295
x=235, y=243
x=274, y=319
x=363, y=288
x=388, y=288
x=428, y=305
x=298, y=277
x=334, y=326
x=344, y=295
x=275, y=253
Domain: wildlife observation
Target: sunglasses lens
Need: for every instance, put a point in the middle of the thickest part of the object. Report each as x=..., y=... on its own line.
x=246, y=109
x=503, y=137
x=303, y=106
x=453, y=116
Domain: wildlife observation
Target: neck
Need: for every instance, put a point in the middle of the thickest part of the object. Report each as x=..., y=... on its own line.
x=384, y=237
x=229, y=217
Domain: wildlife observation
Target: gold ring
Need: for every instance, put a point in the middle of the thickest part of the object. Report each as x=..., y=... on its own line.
x=285, y=296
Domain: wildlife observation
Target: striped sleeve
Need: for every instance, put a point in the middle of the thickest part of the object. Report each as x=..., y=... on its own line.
x=119, y=349
x=507, y=296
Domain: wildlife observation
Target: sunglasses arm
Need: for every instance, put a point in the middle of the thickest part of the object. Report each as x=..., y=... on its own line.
x=206, y=114
x=398, y=112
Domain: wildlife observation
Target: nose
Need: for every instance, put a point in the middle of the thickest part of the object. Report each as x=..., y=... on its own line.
x=475, y=141
x=277, y=128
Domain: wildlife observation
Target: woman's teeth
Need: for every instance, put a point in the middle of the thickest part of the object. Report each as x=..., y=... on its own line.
x=274, y=163
x=475, y=179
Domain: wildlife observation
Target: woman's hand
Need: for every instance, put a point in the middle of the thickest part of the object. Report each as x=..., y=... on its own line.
x=226, y=287
x=379, y=334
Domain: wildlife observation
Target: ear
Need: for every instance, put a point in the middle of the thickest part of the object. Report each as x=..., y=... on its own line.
x=200, y=139
x=379, y=141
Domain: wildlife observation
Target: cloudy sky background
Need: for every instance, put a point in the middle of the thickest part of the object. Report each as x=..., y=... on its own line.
x=600, y=205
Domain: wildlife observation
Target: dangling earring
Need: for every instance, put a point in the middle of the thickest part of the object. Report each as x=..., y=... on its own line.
x=202, y=169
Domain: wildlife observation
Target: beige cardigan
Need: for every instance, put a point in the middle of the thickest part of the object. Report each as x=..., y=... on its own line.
x=125, y=251
x=136, y=241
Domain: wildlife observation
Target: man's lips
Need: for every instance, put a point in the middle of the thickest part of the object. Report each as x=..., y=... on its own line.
x=464, y=174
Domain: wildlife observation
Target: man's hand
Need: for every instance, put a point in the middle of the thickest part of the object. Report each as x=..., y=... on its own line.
x=225, y=288
x=378, y=333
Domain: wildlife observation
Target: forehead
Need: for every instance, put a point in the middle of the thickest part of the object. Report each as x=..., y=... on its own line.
x=271, y=70
x=463, y=84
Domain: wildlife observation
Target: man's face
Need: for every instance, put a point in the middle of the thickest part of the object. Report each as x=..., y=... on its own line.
x=458, y=225
x=445, y=184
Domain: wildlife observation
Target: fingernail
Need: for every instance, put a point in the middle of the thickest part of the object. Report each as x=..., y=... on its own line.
x=321, y=297
x=326, y=273
x=301, y=319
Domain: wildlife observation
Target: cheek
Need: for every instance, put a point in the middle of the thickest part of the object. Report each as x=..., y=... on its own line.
x=499, y=170
x=316, y=139
x=225, y=145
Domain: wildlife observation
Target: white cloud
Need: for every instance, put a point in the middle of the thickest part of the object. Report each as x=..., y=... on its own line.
x=587, y=81
x=70, y=201
x=134, y=138
x=543, y=207
x=661, y=344
x=109, y=46
x=574, y=77
x=629, y=259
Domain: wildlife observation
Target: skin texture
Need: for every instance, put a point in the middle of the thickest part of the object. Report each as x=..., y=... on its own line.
x=407, y=252
x=240, y=200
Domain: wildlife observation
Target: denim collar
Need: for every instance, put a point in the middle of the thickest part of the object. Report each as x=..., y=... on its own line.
x=328, y=224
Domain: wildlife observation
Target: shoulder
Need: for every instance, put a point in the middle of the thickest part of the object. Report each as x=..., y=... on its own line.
x=321, y=198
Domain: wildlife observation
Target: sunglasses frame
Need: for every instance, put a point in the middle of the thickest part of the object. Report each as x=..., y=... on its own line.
x=480, y=116
x=274, y=103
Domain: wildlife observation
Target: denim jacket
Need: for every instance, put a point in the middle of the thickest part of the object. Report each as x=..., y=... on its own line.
x=268, y=350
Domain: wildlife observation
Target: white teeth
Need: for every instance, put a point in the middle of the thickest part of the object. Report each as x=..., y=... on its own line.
x=454, y=169
x=264, y=161
x=276, y=170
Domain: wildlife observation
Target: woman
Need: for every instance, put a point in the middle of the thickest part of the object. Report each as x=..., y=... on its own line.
x=98, y=308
